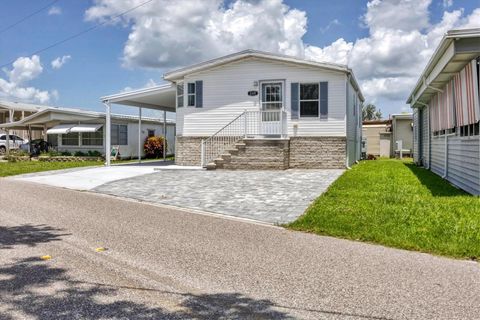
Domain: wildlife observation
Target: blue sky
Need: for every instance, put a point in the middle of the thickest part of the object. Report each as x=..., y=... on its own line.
x=104, y=61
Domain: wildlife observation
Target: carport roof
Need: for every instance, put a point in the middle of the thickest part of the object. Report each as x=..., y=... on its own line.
x=161, y=97
x=56, y=114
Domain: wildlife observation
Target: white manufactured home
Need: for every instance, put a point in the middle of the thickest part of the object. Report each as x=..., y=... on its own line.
x=257, y=110
x=447, y=111
x=77, y=130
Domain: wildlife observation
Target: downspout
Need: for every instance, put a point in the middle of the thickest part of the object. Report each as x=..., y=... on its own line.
x=347, y=164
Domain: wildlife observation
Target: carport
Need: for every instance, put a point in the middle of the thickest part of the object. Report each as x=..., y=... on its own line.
x=160, y=97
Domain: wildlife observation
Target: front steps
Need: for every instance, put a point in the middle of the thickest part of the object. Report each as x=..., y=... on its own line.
x=254, y=154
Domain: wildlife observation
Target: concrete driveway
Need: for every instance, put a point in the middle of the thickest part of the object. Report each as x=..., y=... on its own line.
x=162, y=263
x=267, y=196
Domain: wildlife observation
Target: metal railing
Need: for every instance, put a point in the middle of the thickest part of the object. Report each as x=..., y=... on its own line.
x=249, y=124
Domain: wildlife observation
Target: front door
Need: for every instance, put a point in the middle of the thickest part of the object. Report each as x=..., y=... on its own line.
x=272, y=100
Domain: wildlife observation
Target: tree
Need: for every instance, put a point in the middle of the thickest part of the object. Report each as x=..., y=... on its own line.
x=370, y=112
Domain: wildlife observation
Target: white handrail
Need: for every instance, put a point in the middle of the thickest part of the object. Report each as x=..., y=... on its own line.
x=265, y=123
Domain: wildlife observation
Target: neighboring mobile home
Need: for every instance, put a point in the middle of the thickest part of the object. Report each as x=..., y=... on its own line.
x=447, y=111
x=377, y=136
x=258, y=110
x=75, y=130
x=15, y=111
x=383, y=137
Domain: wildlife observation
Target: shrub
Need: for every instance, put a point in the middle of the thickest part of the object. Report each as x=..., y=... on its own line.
x=66, y=153
x=153, y=147
x=79, y=154
x=94, y=153
x=51, y=153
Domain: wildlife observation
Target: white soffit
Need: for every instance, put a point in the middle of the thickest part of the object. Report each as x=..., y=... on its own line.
x=60, y=129
x=86, y=127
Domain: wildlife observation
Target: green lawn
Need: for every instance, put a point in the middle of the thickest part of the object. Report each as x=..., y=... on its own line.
x=14, y=168
x=398, y=204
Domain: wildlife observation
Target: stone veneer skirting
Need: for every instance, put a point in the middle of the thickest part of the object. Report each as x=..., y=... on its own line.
x=296, y=152
x=188, y=150
x=318, y=152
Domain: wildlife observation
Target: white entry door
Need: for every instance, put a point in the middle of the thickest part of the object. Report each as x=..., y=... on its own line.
x=272, y=101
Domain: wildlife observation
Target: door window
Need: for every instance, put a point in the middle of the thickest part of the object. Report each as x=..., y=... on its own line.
x=272, y=101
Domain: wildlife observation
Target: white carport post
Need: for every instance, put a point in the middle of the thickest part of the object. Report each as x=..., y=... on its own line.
x=108, y=147
x=139, y=134
x=7, y=137
x=164, y=135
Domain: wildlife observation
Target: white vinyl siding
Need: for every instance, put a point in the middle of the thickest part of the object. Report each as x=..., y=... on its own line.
x=225, y=96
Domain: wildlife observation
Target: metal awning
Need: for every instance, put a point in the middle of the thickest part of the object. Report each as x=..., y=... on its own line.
x=60, y=129
x=86, y=127
x=160, y=97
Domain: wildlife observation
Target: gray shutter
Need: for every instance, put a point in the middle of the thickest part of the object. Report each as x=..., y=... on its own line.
x=323, y=100
x=294, y=100
x=199, y=94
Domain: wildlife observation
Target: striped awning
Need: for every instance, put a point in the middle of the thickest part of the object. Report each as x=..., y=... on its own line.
x=458, y=104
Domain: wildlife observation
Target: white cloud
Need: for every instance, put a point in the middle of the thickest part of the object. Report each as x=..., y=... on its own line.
x=60, y=61
x=54, y=10
x=387, y=63
x=14, y=86
x=332, y=23
x=174, y=33
x=337, y=52
x=447, y=4
x=25, y=69
x=406, y=15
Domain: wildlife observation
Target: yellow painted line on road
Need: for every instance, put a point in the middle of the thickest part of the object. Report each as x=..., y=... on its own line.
x=101, y=249
x=46, y=257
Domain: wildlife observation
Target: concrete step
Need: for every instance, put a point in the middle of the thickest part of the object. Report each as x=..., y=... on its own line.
x=232, y=152
x=227, y=157
x=240, y=145
x=211, y=166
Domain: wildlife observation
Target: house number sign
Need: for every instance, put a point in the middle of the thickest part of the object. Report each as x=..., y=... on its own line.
x=253, y=93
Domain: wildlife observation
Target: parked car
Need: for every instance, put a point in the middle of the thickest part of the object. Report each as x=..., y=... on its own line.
x=14, y=143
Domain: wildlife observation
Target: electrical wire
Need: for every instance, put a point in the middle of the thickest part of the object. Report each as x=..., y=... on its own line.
x=27, y=17
x=76, y=35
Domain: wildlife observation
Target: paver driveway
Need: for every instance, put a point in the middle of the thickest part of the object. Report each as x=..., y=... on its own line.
x=269, y=196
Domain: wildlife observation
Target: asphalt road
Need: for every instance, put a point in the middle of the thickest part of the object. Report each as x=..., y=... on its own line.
x=163, y=263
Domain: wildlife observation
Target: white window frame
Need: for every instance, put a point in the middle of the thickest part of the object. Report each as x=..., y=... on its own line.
x=79, y=140
x=194, y=94
x=274, y=81
x=90, y=139
x=180, y=95
x=309, y=100
x=118, y=134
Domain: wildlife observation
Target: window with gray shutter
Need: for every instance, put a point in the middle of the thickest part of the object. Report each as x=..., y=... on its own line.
x=191, y=95
x=323, y=100
x=294, y=100
x=309, y=100
x=199, y=94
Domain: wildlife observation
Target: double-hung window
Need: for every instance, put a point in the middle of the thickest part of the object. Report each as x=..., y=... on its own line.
x=119, y=134
x=179, y=95
x=70, y=139
x=191, y=90
x=93, y=138
x=309, y=100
